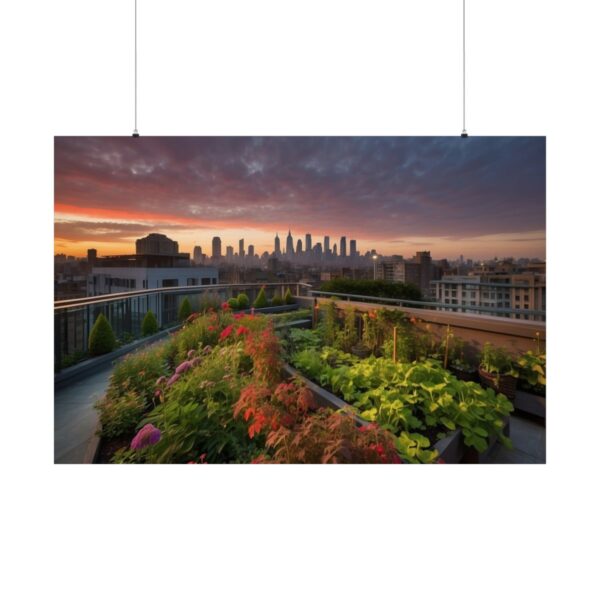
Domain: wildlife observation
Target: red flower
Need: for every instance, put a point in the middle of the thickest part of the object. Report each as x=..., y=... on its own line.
x=211, y=327
x=241, y=330
x=225, y=306
x=226, y=333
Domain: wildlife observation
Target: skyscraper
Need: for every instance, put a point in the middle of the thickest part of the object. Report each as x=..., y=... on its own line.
x=318, y=250
x=343, y=246
x=277, y=245
x=251, y=251
x=216, y=247
x=299, y=247
x=335, y=250
x=353, y=248
x=197, y=254
x=308, y=243
x=229, y=251
x=326, y=246
x=289, y=244
x=241, y=251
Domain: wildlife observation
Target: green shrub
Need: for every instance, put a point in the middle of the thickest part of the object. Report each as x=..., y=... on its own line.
x=261, y=299
x=233, y=303
x=185, y=309
x=102, y=338
x=209, y=300
x=119, y=416
x=243, y=301
x=370, y=287
x=149, y=324
x=277, y=300
x=288, y=298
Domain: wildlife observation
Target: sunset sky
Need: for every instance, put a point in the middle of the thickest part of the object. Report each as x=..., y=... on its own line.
x=480, y=197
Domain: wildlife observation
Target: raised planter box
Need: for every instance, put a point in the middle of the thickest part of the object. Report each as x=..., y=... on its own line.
x=451, y=449
x=531, y=403
x=501, y=384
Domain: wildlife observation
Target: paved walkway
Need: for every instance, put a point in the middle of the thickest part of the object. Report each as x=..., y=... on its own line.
x=75, y=420
x=529, y=441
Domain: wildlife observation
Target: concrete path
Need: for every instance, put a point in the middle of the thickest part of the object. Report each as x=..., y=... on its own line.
x=529, y=441
x=75, y=420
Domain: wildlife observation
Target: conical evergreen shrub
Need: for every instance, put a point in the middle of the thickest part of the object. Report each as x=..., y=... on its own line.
x=102, y=338
x=149, y=324
x=185, y=309
x=288, y=298
x=261, y=299
x=277, y=300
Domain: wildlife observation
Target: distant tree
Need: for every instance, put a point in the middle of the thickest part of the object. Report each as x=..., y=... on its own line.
x=185, y=309
x=149, y=324
x=261, y=299
x=370, y=287
x=102, y=338
x=288, y=298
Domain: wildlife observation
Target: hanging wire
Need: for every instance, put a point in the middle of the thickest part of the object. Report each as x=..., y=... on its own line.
x=135, y=129
x=464, y=129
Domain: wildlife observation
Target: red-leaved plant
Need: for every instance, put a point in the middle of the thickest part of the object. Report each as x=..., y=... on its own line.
x=263, y=348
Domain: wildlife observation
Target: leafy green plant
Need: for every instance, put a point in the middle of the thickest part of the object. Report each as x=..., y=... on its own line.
x=330, y=324
x=261, y=299
x=243, y=301
x=233, y=303
x=149, y=324
x=347, y=336
x=277, y=300
x=185, y=309
x=120, y=415
x=102, y=338
x=532, y=371
x=370, y=287
x=288, y=298
x=497, y=361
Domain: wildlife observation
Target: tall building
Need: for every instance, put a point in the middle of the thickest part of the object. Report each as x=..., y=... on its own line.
x=343, y=246
x=216, y=248
x=318, y=250
x=157, y=244
x=335, y=250
x=299, y=247
x=229, y=252
x=353, y=252
x=289, y=244
x=92, y=255
x=198, y=259
x=423, y=259
x=308, y=243
x=241, y=251
x=250, y=251
x=326, y=249
x=277, y=245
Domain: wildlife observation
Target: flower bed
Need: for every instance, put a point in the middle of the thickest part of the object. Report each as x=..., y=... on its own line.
x=214, y=393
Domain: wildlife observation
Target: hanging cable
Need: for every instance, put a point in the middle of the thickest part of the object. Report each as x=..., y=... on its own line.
x=464, y=129
x=135, y=129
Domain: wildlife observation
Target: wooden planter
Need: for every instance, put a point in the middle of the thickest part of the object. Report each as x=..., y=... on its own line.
x=501, y=384
x=464, y=374
x=361, y=351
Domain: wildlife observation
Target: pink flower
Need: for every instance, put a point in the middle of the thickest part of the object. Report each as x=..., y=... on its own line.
x=173, y=379
x=183, y=367
x=148, y=435
x=241, y=330
x=225, y=306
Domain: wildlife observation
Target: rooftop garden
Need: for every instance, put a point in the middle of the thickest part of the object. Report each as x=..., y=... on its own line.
x=218, y=391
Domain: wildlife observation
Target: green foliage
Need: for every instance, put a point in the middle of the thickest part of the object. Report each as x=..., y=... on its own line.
x=149, y=324
x=277, y=300
x=102, y=338
x=369, y=287
x=261, y=299
x=532, y=371
x=233, y=303
x=497, y=361
x=120, y=415
x=185, y=309
x=330, y=324
x=209, y=301
x=409, y=397
x=243, y=301
x=347, y=336
x=288, y=298
x=413, y=448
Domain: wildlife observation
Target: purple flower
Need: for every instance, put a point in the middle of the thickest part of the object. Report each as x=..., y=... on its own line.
x=183, y=367
x=173, y=379
x=148, y=435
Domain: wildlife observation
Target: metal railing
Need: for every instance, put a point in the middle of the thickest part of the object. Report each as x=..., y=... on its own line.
x=528, y=314
x=74, y=319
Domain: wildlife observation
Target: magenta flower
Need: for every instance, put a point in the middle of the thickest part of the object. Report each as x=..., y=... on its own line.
x=173, y=379
x=148, y=435
x=183, y=367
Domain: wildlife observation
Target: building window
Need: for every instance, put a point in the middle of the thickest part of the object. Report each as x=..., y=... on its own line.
x=170, y=282
x=192, y=281
x=526, y=297
x=518, y=297
x=206, y=281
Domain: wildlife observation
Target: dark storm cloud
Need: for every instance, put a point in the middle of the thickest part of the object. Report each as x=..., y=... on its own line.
x=379, y=188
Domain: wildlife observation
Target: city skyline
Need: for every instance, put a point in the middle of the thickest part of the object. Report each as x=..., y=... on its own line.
x=481, y=197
